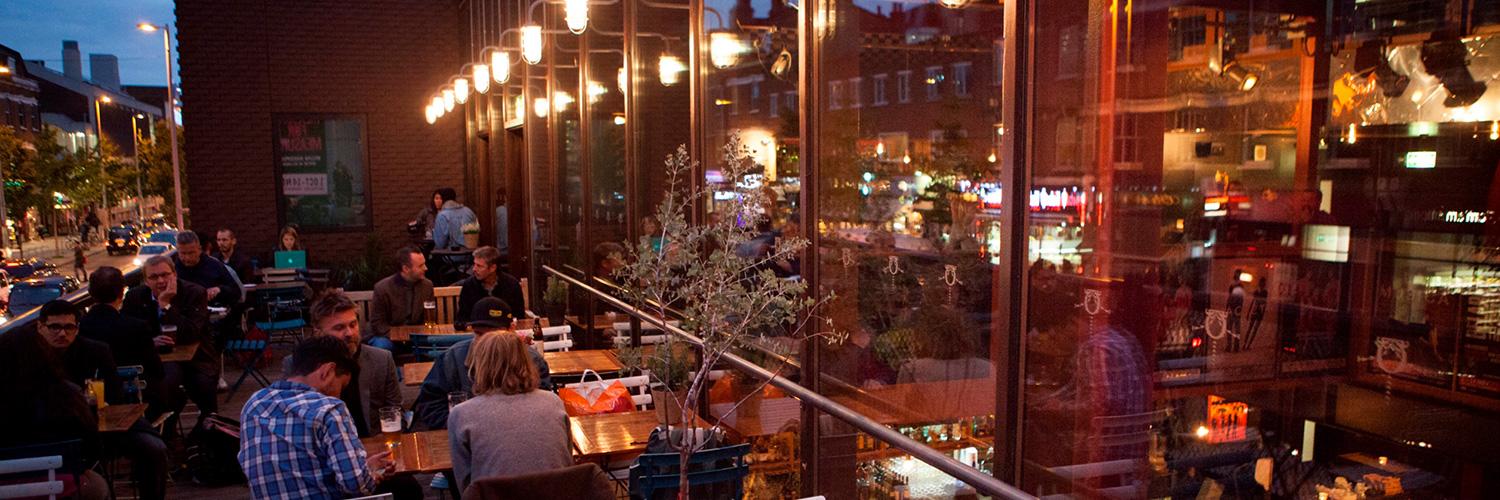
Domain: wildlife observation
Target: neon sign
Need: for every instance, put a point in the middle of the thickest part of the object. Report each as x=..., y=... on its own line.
x=1056, y=200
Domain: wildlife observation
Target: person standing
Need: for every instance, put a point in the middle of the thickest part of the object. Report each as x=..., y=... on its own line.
x=400, y=298
x=176, y=311
x=502, y=223
x=448, y=225
x=297, y=439
x=420, y=228
x=511, y=427
x=80, y=262
x=487, y=281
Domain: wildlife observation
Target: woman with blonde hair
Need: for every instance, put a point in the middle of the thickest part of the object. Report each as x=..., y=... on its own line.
x=510, y=427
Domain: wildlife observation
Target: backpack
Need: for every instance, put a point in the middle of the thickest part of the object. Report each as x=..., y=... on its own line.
x=212, y=449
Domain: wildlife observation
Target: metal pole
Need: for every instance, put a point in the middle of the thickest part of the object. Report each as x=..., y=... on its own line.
x=99, y=148
x=140, y=171
x=171, y=111
x=4, y=218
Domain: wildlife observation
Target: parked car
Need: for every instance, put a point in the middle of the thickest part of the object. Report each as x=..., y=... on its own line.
x=31, y=293
x=149, y=250
x=24, y=268
x=165, y=236
x=122, y=240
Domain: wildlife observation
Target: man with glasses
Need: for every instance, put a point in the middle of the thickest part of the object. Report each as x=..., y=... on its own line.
x=84, y=359
x=176, y=312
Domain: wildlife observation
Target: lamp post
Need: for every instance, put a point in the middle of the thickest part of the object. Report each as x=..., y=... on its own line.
x=135, y=147
x=170, y=111
x=99, y=149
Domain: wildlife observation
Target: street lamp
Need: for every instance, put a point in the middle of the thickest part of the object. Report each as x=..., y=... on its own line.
x=170, y=111
x=99, y=148
x=140, y=171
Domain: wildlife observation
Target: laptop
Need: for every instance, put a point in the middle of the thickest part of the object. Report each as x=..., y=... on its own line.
x=293, y=259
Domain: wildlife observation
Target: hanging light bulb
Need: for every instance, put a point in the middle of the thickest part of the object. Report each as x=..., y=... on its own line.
x=576, y=14
x=519, y=107
x=1353, y=136
x=500, y=66
x=531, y=43
x=448, y=99
x=669, y=68
x=1495, y=130
x=619, y=118
x=906, y=159
x=954, y=4
x=431, y=114
x=437, y=106
x=992, y=157
x=482, y=78
x=724, y=49
x=880, y=149
x=620, y=79
x=461, y=90
x=596, y=91
x=541, y=107
x=561, y=100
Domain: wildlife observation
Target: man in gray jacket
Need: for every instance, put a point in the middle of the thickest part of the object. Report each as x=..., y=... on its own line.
x=374, y=386
x=399, y=298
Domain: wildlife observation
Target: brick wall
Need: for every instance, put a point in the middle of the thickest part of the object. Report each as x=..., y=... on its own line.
x=243, y=62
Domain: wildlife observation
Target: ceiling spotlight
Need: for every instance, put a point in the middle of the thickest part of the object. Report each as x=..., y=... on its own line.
x=1448, y=60
x=500, y=66
x=782, y=64
x=669, y=69
x=1241, y=76
x=531, y=43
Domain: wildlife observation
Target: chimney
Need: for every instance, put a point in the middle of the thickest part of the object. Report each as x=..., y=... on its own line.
x=72, y=60
x=104, y=71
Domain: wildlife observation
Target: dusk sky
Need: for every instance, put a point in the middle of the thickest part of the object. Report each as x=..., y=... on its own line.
x=37, y=28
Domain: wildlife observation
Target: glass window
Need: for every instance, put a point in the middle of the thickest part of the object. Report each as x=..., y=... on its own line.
x=755, y=97
x=961, y=79
x=836, y=95
x=934, y=82
x=321, y=172
x=903, y=86
x=878, y=91
x=775, y=104
x=856, y=92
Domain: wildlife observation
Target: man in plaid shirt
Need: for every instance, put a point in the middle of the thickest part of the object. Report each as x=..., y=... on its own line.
x=298, y=440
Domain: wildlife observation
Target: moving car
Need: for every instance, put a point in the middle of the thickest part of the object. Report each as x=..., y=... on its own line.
x=24, y=268
x=31, y=293
x=165, y=236
x=149, y=250
x=122, y=240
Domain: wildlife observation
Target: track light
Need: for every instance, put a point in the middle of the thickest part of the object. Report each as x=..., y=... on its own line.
x=1241, y=76
x=1448, y=60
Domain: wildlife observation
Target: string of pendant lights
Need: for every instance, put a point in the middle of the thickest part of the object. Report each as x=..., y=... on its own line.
x=725, y=50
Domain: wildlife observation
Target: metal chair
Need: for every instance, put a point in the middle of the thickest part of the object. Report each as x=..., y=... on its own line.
x=658, y=472
x=40, y=463
x=247, y=354
x=282, y=310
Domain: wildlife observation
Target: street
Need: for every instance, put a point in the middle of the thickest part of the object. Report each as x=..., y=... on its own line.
x=60, y=253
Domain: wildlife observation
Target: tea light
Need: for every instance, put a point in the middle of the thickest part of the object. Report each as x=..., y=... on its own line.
x=1382, y=460
x=1322, y=495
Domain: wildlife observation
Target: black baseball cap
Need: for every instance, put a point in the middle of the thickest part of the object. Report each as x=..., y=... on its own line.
x=490, y=312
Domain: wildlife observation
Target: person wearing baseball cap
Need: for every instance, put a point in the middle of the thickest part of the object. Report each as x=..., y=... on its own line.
x=450, y=370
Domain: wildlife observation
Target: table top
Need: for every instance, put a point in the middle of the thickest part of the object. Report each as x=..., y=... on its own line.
x=601, y=321
x=181, y=352
x=611, y=434
x=573, y=363
x=404, y=333
x=425, y=451
x=415, y=373
x=119, y=418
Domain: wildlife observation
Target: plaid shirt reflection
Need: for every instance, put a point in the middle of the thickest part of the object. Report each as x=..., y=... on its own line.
x=296, y=443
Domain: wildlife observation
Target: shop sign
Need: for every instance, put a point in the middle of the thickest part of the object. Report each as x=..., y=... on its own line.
x=1055, y=200
x=1147, y=199
x=1461, y=216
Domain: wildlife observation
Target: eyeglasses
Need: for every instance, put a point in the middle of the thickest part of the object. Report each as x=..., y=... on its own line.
x=158, y=276
x=63, y=327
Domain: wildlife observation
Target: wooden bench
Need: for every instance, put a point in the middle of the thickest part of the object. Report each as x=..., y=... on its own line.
x=447, y=303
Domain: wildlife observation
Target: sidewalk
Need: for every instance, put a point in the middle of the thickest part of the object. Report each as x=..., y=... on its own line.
x=48, y=249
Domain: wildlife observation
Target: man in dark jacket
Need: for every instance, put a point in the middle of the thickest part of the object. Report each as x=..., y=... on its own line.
x=228, y=253
x=450, y=371
x=129, y=339
x=221, y=285
x=85, y=359
x=182, y=307
x=399, y=298
x=488, y=281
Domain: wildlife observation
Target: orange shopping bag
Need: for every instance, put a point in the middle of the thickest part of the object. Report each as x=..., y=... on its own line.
x=598, y=396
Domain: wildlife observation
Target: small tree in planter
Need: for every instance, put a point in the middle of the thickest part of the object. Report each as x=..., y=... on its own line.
x=718, y=278
x=555, y=297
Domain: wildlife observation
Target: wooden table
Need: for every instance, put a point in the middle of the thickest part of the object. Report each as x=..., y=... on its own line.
x=119, y=418
x=611, y=436
x=404, y=333
x=181, y=352
x=415, y=373
x=573, y=363
x=425, y=451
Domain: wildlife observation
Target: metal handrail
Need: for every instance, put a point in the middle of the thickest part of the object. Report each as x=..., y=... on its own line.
x=983, y=483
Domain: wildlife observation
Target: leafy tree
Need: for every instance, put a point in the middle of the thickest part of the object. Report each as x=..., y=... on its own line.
x=155, y=162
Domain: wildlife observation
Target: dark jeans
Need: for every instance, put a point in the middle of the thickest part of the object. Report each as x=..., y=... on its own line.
x=200, y=381
x=148, y=458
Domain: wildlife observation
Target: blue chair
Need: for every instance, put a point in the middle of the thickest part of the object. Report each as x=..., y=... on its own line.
x=247, y=354
x=429, y=347
x=282, y=306
x=131, y=375
x=655, y=473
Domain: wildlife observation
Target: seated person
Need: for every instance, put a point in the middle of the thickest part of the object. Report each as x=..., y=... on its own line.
x=40, y=399
x=129, y=339
x=196, y=267
x=228, y=253
x=450, y=371
x=165, y=300
x=399, y=298
x=297, y=439
x=488, y=281
x=83, y=359
x=374, y=385
x=511, y=427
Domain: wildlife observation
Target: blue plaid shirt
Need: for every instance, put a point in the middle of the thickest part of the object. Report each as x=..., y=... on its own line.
x=296, y=443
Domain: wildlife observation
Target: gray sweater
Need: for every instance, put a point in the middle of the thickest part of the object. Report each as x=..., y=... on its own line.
x=506, y=435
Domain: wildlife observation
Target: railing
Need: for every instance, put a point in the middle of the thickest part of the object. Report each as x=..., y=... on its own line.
x=985, y=484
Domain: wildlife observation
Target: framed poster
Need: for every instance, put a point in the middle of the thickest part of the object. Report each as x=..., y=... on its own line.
x=322, y=172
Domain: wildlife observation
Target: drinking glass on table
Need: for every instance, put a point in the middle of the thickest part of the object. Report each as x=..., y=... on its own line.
x=169, y=331
x=391, y=420
x=429, y=313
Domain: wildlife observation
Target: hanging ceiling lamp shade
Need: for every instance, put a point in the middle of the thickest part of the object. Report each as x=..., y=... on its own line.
x=669, y=68
x=437, y=106
x=481, y=78
x=576, y=14
x=448, y=99
x=431, y=114
x=500, y=66
x=531, y=43
x=461, y=90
